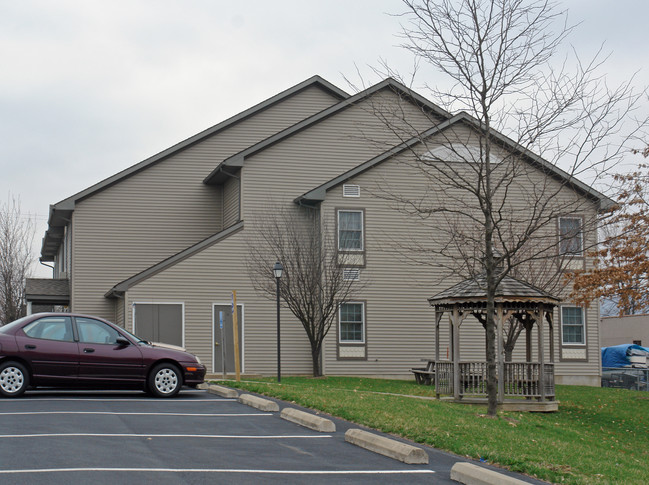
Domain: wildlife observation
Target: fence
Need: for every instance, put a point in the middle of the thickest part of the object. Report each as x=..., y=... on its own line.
x=626, y=378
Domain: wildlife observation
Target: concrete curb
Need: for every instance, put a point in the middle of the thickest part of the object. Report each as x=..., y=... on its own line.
x=307, y=420
x=471, y=474
x=259, y=403
x=386, y=446
x=222, y=391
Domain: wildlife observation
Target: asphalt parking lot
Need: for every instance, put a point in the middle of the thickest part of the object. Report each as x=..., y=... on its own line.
x=127, y=437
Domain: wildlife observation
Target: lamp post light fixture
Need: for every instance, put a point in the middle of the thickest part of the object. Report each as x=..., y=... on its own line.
x=277, y=271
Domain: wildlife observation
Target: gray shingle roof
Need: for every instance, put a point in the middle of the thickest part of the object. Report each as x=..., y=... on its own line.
x=475, y=289
x=47, y=287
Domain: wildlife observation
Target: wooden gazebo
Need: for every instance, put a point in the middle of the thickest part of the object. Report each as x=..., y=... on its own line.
x=525, y=385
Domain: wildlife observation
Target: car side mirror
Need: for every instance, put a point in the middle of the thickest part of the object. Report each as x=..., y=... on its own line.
x=121, y=341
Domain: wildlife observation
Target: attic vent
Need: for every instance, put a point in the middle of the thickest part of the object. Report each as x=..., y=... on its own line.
x=351, y=190
x=351, y=274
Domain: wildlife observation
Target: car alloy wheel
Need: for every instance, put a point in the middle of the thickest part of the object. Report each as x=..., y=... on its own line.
x=165, y=381
x=13, y=379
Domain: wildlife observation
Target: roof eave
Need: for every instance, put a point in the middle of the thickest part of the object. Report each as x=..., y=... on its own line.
x=119, y=289
x=498, y=299
x=388, y=83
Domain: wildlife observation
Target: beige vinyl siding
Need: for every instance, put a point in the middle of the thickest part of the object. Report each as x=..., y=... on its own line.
x=209, y=277
x=231, y=204
x=270, y=179
x=165, y=208
x=282, y=172
x=119, y=312
x=400, y=322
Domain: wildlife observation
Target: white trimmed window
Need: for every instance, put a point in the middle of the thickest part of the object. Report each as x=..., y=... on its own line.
x=570, y=236
x=350, y=230
x=573, y=329
x=352, y=322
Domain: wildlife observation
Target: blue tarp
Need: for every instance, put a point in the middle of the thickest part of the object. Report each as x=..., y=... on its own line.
x=618, y=355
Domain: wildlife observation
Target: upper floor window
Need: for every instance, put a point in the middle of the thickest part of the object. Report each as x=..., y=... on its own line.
x=570, y=236
x=572, y=326
x=350, y=230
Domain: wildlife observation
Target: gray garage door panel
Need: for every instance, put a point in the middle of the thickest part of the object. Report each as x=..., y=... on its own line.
x=160, y=322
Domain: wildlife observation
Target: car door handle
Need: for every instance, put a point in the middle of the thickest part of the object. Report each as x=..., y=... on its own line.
x=30, y=347
x=88, y=350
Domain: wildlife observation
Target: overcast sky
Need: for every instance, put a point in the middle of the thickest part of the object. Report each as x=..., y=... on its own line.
x=88, y=88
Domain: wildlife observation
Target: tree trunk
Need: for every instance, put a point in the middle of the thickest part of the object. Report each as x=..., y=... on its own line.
x=492, y=379
x=315, y=358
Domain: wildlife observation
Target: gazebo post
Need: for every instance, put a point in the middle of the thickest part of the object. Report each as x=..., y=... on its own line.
x=455, y=349
x=551, y=331
x=539, y=323
x=528, y=343
x=500, y=360
x=451, y=338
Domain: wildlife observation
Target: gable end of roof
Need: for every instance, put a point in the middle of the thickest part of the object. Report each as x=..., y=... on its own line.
x=216, y=175
x=60, y=212
x=318, y=194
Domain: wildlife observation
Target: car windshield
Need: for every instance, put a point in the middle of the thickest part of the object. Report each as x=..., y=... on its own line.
x=139, y=340
x=13, y=324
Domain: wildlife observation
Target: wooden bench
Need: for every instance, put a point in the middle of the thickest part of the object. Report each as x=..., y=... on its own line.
x=423, y=375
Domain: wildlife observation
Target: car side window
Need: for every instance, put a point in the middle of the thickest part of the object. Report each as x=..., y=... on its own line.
x=51, y=328
x=95, y=332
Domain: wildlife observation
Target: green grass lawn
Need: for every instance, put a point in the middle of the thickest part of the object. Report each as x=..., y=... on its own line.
x=598, y=435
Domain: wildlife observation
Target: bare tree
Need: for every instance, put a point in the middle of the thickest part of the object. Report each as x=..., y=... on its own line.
x=16, y=237
x=493, y=202
x=313, y=284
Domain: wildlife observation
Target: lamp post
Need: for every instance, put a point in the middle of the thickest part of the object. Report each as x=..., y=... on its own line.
x=277, y=271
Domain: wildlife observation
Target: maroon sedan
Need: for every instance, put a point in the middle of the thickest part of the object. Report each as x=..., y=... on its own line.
x=69, y=350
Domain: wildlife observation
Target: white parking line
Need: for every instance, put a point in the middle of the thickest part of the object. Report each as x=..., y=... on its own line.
x=143, y=400
x=221, y=470
x=133, y=435
x=210, y=415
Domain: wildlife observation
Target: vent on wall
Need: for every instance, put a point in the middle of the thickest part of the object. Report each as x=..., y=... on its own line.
x=351, y=274
x=351, y=190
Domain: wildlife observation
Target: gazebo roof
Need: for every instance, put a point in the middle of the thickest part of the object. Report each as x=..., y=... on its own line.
x=474, y=290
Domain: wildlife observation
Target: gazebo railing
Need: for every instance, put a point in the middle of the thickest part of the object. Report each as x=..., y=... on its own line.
x=521, y=379
x=473, y=378
x=444, y=373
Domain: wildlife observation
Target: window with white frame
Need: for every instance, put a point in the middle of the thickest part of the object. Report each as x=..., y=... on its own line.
x=352, y=322
x=350, y=230
x=573, y=329
x=570, y=236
